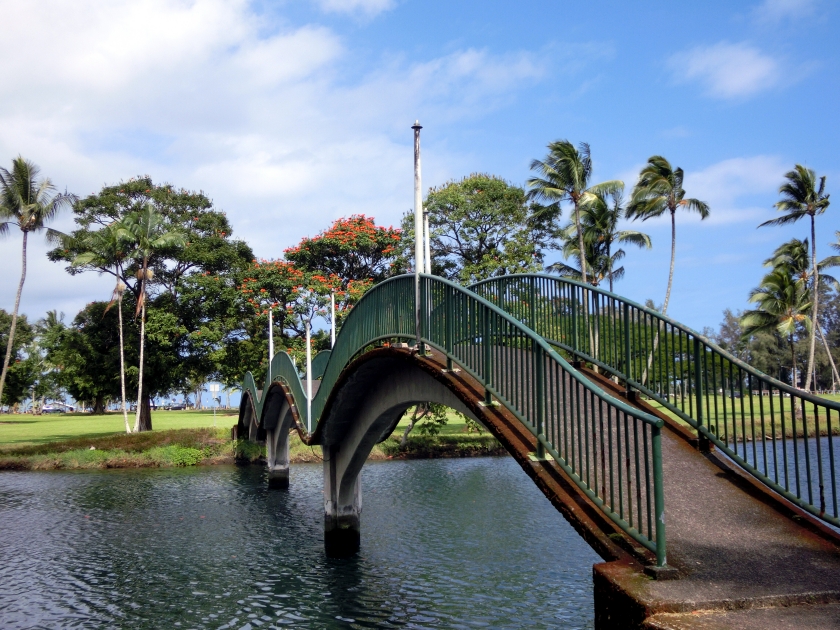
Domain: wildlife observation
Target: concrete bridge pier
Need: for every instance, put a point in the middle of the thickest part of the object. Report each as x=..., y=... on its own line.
x=342, y=510
x=277, y=423
x=365, y=411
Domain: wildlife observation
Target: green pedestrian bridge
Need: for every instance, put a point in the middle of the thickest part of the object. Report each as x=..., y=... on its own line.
x=708, y=487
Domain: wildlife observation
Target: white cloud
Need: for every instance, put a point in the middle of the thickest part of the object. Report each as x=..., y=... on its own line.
x=736, y=189
x=727, y=70
x=368, y=7
x=774, y=11
x=198, y=93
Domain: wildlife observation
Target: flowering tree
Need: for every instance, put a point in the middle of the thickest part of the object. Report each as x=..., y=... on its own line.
x=352, y=249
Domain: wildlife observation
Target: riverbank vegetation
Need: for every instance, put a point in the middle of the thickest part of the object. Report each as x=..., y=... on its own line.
x=184, y=438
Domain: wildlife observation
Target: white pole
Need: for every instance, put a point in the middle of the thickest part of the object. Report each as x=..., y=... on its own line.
x=270, y=340
x=426, y=243
x=308, y=381
x=332, y=318
x=418, y=230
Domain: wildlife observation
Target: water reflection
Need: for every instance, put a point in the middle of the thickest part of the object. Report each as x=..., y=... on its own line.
x=445, y=543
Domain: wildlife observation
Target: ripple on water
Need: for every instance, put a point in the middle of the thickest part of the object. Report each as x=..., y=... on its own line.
x=467, y=543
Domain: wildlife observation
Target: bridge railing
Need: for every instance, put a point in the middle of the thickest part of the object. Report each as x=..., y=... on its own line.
x=611, y=450
x=780, y=434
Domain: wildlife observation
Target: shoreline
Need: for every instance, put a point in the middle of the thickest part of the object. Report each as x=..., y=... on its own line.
x=209, y=447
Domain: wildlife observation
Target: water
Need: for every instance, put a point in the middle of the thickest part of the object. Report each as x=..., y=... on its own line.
x=468, y=543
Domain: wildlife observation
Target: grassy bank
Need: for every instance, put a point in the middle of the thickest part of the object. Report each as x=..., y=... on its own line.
x=71, y=441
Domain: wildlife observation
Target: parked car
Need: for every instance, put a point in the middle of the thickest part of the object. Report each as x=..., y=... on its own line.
x=52, y=409
x=177, y=406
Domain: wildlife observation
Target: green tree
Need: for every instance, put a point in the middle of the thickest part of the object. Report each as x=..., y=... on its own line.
x=801, y=197
x=27, y=203
x=146, y=232
x=659, y=190
x=107, y=248
x=353, y=248
x=564, y=176
x=600, y=215
x=193, y=285
x=782, y=305
x=20, y=376
x=481, y=226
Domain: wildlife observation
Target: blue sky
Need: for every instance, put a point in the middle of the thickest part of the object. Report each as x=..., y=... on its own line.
x=292, y=114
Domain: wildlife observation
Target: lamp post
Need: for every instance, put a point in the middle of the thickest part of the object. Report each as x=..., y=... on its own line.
x=308, y=380
x=332, y=318
x=214, y=389
x=270, y=340
x=418, y=231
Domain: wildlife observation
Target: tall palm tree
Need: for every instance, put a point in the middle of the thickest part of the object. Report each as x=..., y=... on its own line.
x=782, y=305
x=794, y=256
x=564, y=176
x=27, y=203
x=600, y=215
x=802, y=197
x=659, y=190
x=107, y=249
x=147, y=233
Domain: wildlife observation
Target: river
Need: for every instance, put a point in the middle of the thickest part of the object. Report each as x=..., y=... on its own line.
x=456, y=543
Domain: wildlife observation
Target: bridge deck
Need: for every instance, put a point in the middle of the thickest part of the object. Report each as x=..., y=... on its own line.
x=735, y=547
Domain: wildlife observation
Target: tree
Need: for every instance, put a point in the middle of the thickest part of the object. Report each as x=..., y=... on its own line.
x=802, y=197
x=659, y=190
x=795, y=258
x=86, y=355
x=600, y=215
x=481, y=226
x=782, y=305
x=564, y=176
x=193, y=285
x=353, y=248
x=20, y=376
x=27, y=203
x=108, y=248
x=146, y=231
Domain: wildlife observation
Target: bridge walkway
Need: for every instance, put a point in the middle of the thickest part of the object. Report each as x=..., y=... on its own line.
x=739, y=549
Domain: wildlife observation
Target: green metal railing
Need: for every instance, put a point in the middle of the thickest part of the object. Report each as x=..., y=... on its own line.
x=612, y=451
x=779, y=434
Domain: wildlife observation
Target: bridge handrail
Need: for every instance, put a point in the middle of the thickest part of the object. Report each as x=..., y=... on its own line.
x=566, y=412
x=645, y=349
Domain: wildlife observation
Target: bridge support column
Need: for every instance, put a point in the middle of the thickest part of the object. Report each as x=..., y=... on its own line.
x=342, y=510
x=277, y=448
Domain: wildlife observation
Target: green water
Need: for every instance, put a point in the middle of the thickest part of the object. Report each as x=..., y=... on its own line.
x=468, y=543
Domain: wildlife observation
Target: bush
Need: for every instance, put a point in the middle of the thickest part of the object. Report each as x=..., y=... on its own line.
x=176, y=455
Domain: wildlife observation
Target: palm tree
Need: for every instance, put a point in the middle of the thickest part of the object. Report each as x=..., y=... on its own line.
x=106, y=249
x=795, y=257
x=782, y=305
x=659, y=189
x=564, y=176
x=146, y=231
x=27, y=203
x=600, y=215
x=802, y=197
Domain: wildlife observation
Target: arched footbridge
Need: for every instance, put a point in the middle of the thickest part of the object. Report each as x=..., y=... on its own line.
x=671, y=457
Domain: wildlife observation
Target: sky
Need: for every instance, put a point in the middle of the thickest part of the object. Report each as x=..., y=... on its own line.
x=291, y=114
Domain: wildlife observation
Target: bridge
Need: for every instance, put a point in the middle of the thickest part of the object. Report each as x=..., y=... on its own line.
x=708, y=487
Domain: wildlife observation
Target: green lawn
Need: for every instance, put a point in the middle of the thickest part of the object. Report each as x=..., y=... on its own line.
x=23, y=429
x=19, y=429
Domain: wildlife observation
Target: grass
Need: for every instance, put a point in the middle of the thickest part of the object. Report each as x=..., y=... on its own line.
x=766, y=411
x=21, y=429
x=187, y=438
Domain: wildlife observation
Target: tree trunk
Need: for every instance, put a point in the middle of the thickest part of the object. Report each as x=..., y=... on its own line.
x=673, y=255
x=667, y=294
x=141, y=400
x=814, y=305
x=417, y=415
x=835, y=377
x=145, y=414
x=10, y=344
x=99, y=405
x=122, y=363
x=580, y=243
